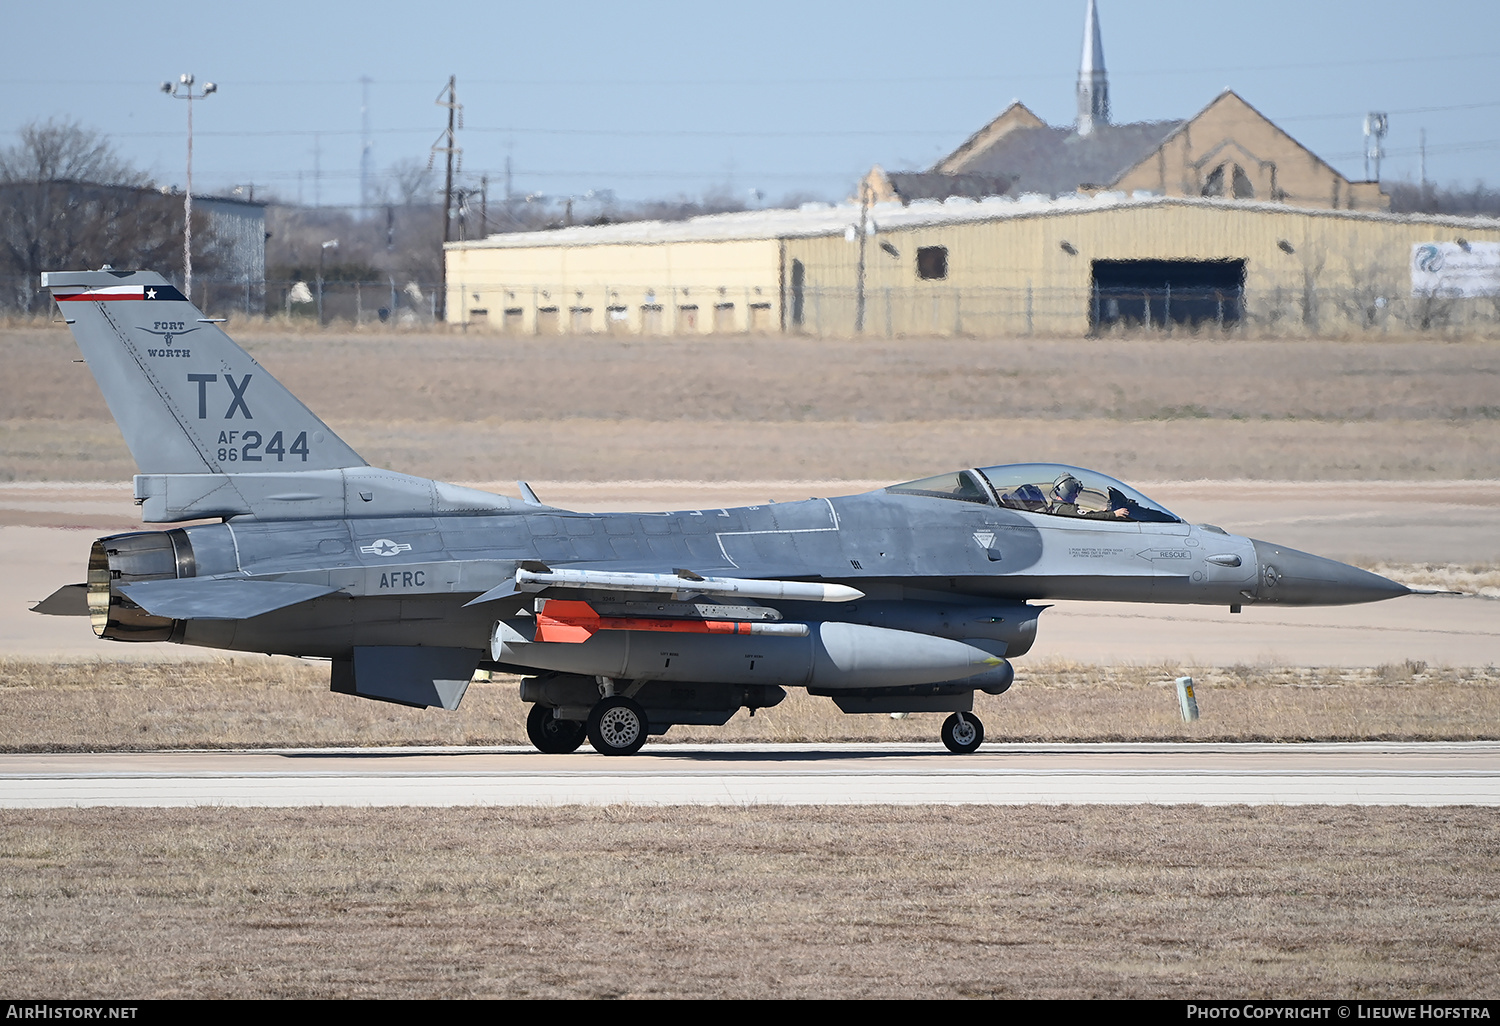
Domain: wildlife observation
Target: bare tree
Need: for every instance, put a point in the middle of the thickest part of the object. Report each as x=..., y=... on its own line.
x=1430, y=198
x=65, y=151
x=68, y=201
x=414, y=182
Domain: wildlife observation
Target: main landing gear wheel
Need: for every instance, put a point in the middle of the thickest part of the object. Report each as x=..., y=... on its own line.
x=962, y=733
x=617, y=726
x=552, y=735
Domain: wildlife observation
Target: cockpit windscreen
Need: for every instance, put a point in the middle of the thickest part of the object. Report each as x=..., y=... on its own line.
x=1072, y=492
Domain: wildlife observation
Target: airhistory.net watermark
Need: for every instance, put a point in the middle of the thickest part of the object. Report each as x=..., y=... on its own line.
x=68, y=1010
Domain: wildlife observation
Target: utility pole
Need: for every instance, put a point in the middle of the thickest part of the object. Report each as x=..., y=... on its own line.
x=185, y=81
x=366, y=148
x=1424, y=170
x=449, y=146
x=510, y=209
x=859, y=293
x=484, y=206
x=322, y=253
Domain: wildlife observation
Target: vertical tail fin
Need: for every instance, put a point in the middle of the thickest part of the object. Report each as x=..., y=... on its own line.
x=186, y=398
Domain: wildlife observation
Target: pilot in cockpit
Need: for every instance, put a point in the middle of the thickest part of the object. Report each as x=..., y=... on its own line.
x=1064, y=501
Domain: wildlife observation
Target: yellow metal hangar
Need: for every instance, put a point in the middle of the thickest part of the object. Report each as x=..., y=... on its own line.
x=1070, y=266
x=1221, y=221
x=716, y=274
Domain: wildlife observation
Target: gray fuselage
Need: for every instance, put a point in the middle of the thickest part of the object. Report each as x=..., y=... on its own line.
x=405, y=580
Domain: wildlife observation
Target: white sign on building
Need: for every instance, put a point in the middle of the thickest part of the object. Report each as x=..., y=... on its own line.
x=1455, y=270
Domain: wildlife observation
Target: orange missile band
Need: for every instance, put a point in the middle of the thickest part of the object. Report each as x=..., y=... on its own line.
x=573, y=622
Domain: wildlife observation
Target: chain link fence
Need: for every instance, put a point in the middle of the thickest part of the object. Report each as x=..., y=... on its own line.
x=394, y=301
x=843, y=312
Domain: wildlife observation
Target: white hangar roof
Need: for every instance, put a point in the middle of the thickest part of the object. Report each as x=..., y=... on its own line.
x=820, y=219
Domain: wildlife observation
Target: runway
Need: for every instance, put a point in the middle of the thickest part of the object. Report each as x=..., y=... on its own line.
x=1366, y=773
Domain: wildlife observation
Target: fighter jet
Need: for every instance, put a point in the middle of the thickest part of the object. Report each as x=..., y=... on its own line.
x=905, y=599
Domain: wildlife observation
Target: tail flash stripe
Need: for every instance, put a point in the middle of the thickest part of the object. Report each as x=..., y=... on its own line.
x=158, y=293
x=107, y=294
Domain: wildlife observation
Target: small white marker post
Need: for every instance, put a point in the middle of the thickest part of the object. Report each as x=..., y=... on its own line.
x=1185, y=699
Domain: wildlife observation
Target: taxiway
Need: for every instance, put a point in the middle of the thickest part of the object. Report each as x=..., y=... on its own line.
x=1370, y=773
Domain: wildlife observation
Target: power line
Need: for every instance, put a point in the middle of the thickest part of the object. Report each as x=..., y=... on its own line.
x=760, y=82
x=615, y=132
x=1407, y=151
x=698, y=133
x=352, y=174
x=1408, y=110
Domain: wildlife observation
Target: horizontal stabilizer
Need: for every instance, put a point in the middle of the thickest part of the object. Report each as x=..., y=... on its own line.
x=208, y=598
x=69, y=600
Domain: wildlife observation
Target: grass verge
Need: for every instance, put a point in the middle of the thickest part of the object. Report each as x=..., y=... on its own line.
x=258, y=702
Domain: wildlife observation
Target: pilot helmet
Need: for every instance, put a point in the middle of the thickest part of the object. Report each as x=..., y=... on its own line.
x=1067, y=487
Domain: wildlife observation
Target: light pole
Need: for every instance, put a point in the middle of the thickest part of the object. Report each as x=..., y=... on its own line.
x=323, y=252
x=183, y=90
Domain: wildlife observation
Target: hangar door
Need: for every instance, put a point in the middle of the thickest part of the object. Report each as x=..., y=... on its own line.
x=1158, y=293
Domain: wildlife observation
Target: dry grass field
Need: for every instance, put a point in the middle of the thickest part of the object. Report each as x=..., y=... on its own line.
x=485, y=408
x=1036, y=902
x=265, y=703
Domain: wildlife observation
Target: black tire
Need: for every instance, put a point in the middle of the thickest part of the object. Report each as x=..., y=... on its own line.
x=617, y=726
x=963, y=736
x=552, y=735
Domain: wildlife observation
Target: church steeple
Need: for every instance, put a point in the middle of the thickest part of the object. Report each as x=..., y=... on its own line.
x=1093, y=83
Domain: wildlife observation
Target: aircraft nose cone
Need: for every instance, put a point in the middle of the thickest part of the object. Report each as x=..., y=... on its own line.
x=1298, y=578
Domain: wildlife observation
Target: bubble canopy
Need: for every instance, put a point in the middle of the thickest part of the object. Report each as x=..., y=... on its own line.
x=1048, y=488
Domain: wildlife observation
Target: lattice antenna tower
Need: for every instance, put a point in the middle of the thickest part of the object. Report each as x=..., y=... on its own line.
x=447, y=144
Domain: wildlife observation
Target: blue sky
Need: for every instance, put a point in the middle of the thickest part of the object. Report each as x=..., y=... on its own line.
x=678, y=99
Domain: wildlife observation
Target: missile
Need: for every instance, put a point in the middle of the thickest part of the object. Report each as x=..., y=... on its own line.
x=681, y=583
